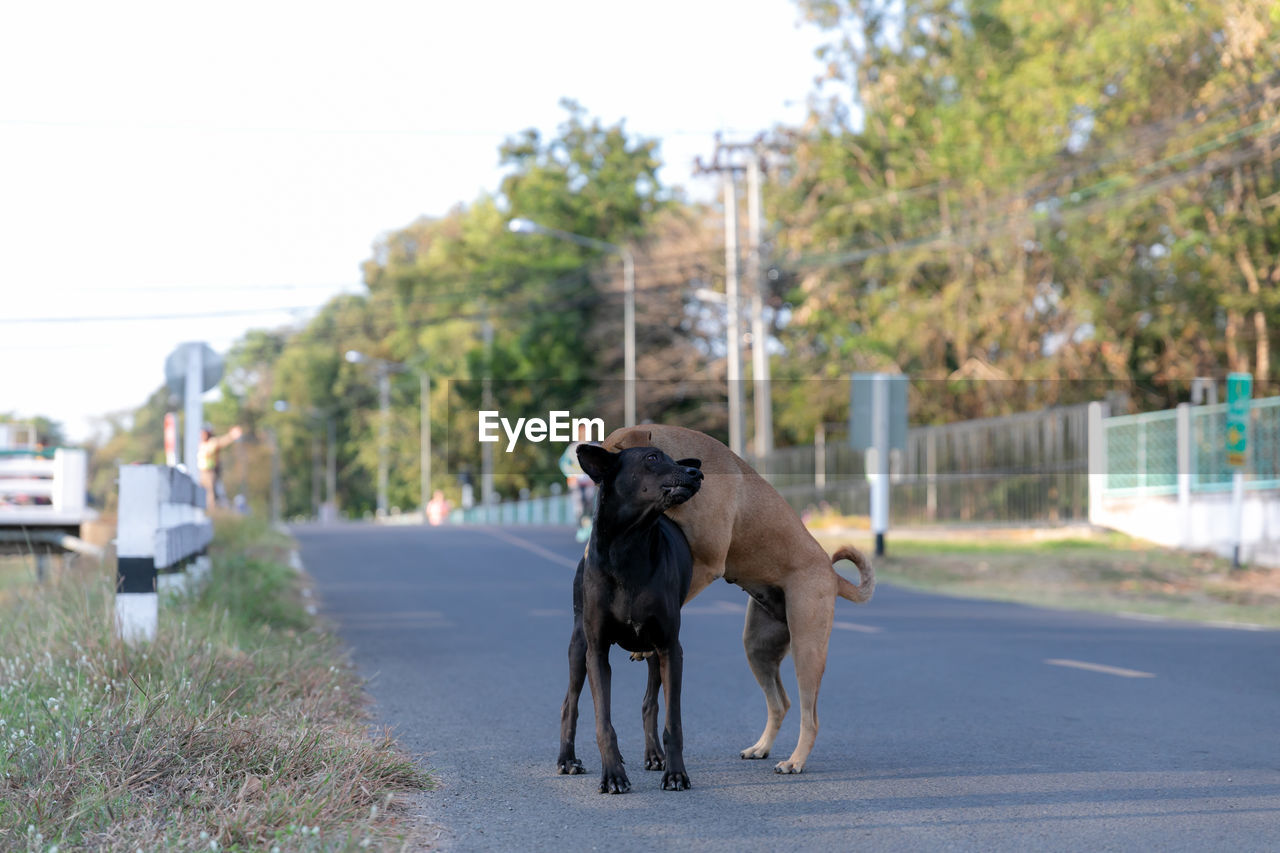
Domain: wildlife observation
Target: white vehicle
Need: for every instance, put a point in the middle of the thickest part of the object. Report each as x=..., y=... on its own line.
x=42, y=490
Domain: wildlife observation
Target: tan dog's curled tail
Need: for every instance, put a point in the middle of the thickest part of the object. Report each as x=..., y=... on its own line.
x=858, y=594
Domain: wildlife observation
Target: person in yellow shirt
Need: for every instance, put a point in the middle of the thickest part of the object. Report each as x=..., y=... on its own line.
x=207, y=460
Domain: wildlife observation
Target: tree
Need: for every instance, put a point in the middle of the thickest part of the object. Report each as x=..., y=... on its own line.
x=49, y=433
x=1012, y=193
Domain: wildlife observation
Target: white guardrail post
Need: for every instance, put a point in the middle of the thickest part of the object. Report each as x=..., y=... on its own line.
x=162, y=532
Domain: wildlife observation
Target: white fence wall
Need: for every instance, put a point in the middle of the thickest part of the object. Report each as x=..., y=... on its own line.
x=1162, y=476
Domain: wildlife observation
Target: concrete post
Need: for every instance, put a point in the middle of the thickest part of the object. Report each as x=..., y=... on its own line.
x=1183, y=421
x=1097, y=460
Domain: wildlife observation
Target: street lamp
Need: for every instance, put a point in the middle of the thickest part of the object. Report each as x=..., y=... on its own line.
x=521, y=225
x=385, y=369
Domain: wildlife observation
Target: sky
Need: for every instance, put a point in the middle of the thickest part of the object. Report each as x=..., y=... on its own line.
x=240, y=159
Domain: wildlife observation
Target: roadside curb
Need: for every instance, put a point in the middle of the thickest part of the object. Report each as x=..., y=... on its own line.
x=1194, y=623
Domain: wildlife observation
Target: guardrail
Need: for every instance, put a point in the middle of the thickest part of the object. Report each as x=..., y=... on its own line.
x=161, y=540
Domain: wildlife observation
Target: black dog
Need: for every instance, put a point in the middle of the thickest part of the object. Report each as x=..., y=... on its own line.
x=628, y=590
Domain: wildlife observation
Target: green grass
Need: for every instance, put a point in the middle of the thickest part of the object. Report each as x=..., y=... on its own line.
x=241, y=728
x=1108, y=573
x=16, y=573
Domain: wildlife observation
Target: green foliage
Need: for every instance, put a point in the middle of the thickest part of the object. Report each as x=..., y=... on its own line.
x=133, y=437
x=1076, y=200
x=1076, y=194
x=431, y=288
x=48, y=432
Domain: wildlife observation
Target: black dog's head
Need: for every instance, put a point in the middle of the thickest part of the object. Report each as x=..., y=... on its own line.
x=645, y=477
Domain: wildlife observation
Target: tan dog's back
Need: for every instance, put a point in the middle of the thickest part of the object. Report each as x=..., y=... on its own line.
x=733, y=524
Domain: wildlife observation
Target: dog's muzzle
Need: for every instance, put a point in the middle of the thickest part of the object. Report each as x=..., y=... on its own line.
x=684, y=488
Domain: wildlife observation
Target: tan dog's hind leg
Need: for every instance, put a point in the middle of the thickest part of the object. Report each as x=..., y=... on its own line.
x=766, y=641
x=809, y=613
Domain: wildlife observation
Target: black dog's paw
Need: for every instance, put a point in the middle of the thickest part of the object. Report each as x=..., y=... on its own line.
x=654, y=760
x=570, y=767
x=675, y=780
x=614, y=782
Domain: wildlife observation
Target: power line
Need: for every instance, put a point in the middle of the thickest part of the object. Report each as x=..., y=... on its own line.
x=467, y=290
x=202, y=315
x=197, y=127
x=179, y=289
x=1078, y=198
x=1148, y=136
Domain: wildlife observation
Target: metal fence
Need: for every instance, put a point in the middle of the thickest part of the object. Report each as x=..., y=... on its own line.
x=548, y=509
x=1022, y=468
x=1142, y=450
x=1142, y=453
x=1012, y=469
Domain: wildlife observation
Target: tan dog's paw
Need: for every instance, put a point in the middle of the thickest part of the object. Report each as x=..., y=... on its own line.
x=756, y=751
x=788, y=767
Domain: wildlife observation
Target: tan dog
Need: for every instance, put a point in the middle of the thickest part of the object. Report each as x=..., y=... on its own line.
x=741, y=529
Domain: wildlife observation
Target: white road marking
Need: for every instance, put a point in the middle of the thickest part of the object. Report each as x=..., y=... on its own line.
x=1099, y=667
x=854, y=626
x=532, y=547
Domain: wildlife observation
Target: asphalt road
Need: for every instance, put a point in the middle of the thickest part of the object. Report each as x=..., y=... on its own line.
x=945, y=724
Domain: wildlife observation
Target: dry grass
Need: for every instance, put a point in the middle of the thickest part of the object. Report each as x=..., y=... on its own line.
x=241, y=728
x=1085, y=570
x=17, y=572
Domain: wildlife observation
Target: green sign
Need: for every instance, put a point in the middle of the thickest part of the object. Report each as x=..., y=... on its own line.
x=1239, y=390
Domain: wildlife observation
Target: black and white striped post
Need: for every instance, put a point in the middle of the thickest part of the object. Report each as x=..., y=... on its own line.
x=161, y=540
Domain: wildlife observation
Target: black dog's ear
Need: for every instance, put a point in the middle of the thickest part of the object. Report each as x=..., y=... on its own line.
x=596, y=461
x=690, y=463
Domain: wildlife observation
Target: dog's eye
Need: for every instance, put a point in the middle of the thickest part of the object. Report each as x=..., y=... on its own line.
x=652, y=457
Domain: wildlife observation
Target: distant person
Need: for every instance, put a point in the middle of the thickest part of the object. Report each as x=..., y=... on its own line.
x=438, y=509
x=582, y=491
x=467, y=484
x=208, y=460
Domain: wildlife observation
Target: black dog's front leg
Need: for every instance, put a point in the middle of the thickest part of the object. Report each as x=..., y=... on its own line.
x=613, y=778
x=568, y=762
x=672, y=663
x=654, y=759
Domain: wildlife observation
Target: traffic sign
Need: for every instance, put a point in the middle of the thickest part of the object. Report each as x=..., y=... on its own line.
x=1239, y=390
x=175, y=367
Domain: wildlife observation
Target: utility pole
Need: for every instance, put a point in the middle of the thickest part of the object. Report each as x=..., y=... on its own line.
x=486, y=448
x=384, y=435
x=275, y=474
x=315, y=475
x=425, y=438
x=331, y=465
x=756, y=152
x=734, y=334
x=759, y=336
